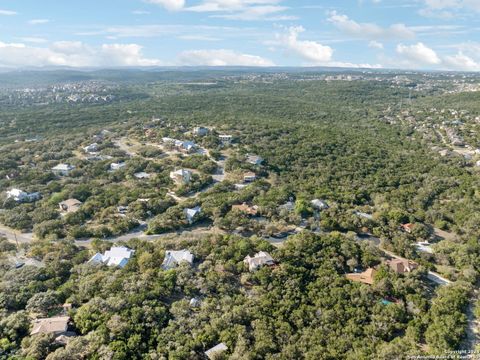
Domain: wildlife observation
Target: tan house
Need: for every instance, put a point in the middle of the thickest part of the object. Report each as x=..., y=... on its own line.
x=408, y=228
x=181, y=176
x=70, y=205
x=260, y=259
x=56, y=325
x=246, y=209
x=365, y=277
x=249, y=177
x=402, y=266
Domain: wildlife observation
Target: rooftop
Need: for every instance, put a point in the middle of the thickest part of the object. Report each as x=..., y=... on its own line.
x=55, y=325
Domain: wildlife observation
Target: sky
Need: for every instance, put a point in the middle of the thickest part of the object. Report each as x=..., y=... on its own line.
x=400, y=34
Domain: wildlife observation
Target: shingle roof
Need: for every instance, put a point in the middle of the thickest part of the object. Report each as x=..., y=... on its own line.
x=173, y=258
x=116, y=256
x=216, y=350
x=57, y=324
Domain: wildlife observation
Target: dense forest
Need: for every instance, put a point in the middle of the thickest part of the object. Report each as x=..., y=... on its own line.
x=368, y=148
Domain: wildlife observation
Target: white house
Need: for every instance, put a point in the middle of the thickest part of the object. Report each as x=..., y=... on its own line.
x=116, y=256
x=195, y=302
x=288, y=206
x=260, y=259
x=364, y=215
x=319, y=204
x=225, y=139
x=142, y=175
x=254, y=159
x=174, y=258
x=424, y=246
x=91, y=149
x=214, y=352
x=168, y=140
x=187, y=146
x=200, y=131
x=191, y=214
x=22, y=196
x=181, y=176
x=63, y=169
x=117, y=166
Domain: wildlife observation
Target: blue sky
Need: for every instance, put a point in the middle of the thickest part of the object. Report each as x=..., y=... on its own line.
x=410, y=34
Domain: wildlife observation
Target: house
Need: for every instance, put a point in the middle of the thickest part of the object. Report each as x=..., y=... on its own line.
x=402, y=266
x=364, y=215
x=174, y=258
x=99, y=157
x=101, y=135
x=91, y=149
x=195, y=303
x=408, y=228
x=149, y=133
x=249, y=177
x=122, y=209
x=185, y=146
x=70, y=205
x=66, y=307
x=240, y=186
x=192, y=214
x=246, y=209
x=168, y=140
x=142, y=175
x=365, y=277
x=258, y=260
x=22, y=196
x=55, y=325
x=200, y=131
x=62, y=169
x=254, y=159
x=116, y=256
x=117, y=166
x=319, y=204
x=225, y=139
x=424, y=246
x=181, y=176
x=288, y=206
x=214, y=352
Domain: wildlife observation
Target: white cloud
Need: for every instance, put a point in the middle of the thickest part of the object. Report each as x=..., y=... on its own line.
x=448, y=8
x=314, y=53
x=185, y=32
x=311, y=51
x=231, y=9
x=375, y=44
x=221, y=57
x=369, y=30
x=418, y=55
x=353, y=65
x=33, y=39
x=7, y=12
x=462, y=62
x=258, y=13
x=198, y=38
x=74, y=54
x=171, y=5
x=38, y=21
x=231, y=5
x=140, y=12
